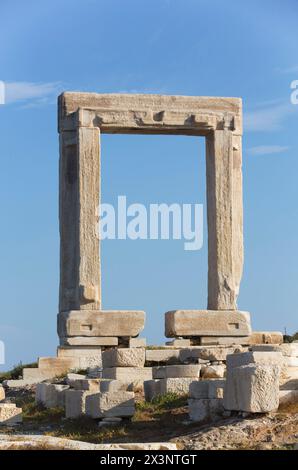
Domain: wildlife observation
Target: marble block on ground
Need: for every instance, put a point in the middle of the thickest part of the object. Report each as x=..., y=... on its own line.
x=75, y=403
x=252, y=388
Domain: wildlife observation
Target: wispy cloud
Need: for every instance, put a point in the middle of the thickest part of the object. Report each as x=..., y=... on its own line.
x=268, y=117
x=287, y=70
x=267, y=149
x=31, y=94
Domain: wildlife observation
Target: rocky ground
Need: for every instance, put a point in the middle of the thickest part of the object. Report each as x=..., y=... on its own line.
x=267, y=432
x=165, y=419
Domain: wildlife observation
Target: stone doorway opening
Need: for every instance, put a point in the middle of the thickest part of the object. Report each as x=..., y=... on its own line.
x=176, y=167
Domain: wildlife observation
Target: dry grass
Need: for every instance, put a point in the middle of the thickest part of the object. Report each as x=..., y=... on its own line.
x=153, y=421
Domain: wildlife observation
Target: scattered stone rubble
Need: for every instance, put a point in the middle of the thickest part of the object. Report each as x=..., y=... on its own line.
x=217, y=379
x=191, y=364
x=97, y=398
x=106, y=398
x=257, y=381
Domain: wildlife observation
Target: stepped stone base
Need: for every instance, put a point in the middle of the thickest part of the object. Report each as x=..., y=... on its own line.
x=68, y=359
x=191, y=323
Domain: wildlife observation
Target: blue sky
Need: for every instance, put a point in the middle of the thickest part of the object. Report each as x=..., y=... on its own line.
x=188, y=47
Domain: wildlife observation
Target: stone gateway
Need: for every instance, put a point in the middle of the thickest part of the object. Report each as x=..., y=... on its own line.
x=82, y=118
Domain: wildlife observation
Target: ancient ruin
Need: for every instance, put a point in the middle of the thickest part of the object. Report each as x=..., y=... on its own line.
x=214, y=362
x=82, y=118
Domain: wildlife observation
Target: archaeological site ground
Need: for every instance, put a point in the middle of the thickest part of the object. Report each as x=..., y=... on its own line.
x=149, y=231
x=216, y=382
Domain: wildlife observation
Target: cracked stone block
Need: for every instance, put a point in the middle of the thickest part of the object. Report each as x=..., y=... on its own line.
x=110, y=404
x=205, y=410
x=51, y=395
x=75, y=403
x=253, y=388
x=266, y=337
x=87, y=384
x=216, y=354
x=207, y=389
x=178, y=386
x=176, y=371
x=255, y=357
x=123, y=357
x=82, y=357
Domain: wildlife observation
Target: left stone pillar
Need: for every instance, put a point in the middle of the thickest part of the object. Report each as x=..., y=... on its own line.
x=79, y=193
x=81, y=321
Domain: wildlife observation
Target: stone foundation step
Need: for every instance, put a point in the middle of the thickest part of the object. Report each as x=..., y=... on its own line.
x=92, y=323
x=189, y=323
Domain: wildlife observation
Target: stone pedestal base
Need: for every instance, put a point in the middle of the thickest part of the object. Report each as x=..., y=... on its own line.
x=98, y=327
x=198, y=323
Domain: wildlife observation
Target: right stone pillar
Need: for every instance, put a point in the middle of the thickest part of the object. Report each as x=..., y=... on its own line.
x=225, y=219
x=221, y=320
